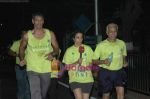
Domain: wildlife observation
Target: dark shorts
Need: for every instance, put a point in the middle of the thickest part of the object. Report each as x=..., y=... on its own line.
x=85, y=87
x=111, y=79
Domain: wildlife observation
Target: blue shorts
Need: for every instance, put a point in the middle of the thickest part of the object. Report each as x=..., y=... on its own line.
x=111, y=79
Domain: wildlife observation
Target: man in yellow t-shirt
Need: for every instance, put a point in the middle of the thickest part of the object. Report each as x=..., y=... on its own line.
x=41, y=46
x=23, y=90
x=78, y=66
x=110, y=56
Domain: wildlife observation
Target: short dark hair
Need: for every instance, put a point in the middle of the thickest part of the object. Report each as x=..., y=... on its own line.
x=37, y=14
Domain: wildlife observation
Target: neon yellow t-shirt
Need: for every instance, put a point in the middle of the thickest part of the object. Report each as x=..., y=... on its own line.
x=36, y=51
x=71, y=56
x=118, y=50
x=15, y=48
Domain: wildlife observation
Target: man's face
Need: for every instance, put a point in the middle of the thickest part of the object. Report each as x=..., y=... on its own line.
x=112, y=33
x=38, y=21
x=78, y=38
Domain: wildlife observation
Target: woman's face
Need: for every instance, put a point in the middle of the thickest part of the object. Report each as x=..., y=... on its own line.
x=78, y=38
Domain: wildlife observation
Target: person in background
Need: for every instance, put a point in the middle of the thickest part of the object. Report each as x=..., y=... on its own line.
x=23, y=90
x=110, y=55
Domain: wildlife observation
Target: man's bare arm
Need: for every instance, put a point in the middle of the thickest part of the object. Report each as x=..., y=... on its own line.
x=125, y=63
x=99, y=62
x=22, y=47
x=54, y=44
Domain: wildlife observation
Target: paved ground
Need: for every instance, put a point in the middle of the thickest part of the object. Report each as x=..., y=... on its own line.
x=8, y=89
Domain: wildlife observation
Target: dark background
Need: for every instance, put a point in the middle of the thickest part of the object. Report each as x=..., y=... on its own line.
x=61, y=14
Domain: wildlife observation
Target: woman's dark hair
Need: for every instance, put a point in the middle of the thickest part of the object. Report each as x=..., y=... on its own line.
x=76, y=32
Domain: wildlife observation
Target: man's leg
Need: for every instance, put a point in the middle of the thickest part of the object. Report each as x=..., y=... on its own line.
x=85, y=95
x=119, y=83
x=105, y=83
x=45, y=82
x=27, y=86
x=120, y=92
x=106, y=96
x=34, y=82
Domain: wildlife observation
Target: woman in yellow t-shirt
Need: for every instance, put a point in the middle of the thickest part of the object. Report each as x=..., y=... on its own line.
x=78, y=61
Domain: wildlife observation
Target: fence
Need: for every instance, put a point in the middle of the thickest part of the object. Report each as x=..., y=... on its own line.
x=139, y=73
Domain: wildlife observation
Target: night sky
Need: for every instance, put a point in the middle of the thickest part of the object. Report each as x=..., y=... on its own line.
x=60, y=15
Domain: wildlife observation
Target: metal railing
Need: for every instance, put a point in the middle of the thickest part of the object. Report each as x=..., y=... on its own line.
x=139, y=73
